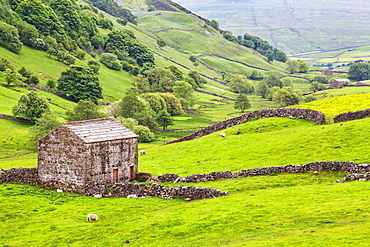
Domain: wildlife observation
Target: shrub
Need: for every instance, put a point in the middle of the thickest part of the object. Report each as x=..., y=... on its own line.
x=145, y=135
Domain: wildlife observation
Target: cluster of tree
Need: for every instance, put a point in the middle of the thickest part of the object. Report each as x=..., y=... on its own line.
x=169, y=79
x=15, y=77
x=254, y=42
x=359, y=71
x=112, y=8
x=263, y=47
x=68, y=30
x=281, y=91
x=144, y=113
x=240, y=84
x=123, y=51
x=80, y=83
x=296, y=66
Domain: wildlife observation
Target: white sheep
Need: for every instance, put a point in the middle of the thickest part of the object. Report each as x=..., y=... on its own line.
x=132, y=196
x=98, y=196
x=142, y=152
x=92, y=217
x=60, y=191
x=222, y=134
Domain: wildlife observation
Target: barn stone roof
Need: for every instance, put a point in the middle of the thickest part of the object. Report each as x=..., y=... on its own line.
x=99, y=130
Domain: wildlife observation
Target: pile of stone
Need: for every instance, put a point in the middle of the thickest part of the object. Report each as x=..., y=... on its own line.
x=19, y=175
x=354, y=177
x=186, y=193
x=350, y=116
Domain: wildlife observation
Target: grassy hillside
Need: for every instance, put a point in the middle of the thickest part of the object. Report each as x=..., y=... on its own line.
x=275, y=210
x=292, y=26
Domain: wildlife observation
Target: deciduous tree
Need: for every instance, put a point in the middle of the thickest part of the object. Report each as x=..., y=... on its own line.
x=31, y=106
x=80, y=83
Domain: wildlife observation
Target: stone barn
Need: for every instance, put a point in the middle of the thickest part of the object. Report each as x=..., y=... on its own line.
x=339, y=83
x=87, y=156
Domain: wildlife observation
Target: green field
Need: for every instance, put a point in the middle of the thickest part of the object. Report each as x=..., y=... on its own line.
x=273, y=210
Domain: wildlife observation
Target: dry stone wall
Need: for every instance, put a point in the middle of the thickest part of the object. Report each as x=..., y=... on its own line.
x=349, y=116
x=351, y=167
x=187, y=193
x=297, y=113
x=354, y=177
x=19, y=175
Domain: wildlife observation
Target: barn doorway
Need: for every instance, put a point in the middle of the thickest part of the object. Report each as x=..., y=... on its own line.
x=132, y=173
x=115, y=174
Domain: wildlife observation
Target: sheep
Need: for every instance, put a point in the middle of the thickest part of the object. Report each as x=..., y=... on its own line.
x=92, y=217
x=98, y=196
x=132, y=196
x=142, y=152
x=222, y=134
x=60, y=191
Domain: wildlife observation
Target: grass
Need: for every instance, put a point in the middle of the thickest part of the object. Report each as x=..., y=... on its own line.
x=342, y=104
x=280, y=210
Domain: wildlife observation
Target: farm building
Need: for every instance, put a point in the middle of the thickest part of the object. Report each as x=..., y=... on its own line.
x=87, y=156
x=327, y=72
x=339, y=83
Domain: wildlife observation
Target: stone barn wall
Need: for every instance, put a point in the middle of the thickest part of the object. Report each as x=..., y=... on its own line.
x=113, y=154
x=62, y=159
x=297, y=113
x=19, y=175
x=349, y=116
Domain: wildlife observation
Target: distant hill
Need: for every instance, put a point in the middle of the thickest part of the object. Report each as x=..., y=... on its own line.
x=292, y=26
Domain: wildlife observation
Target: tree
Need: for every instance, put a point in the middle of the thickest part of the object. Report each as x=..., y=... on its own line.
x=359, y=71
x=240, y=85
x=242, y=102
x=80, y=83
x=161, y=43
x=192, y=58
x=173, y=104
x=286, y=97
x=262, y=89
x=316, y=86
x=156, y=102
x=111, y=61
x=13, y=77
x=302, y=66
x=196, y=77
x=270, y=55
x=273, y=81
x=31, y=106
x=9, y=37
x=164, y=119
x=141, y=83
x=83, y=111
x=255, y=75
x=144, y=133
x=281, y=56
x=94, y=66
x=214, y=24
x=292, y=66
x=43, y=125
x=183, y=90
x=160, y=79
x=139, y=109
